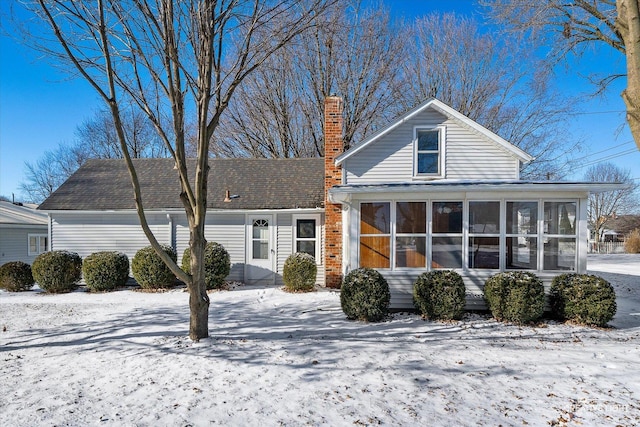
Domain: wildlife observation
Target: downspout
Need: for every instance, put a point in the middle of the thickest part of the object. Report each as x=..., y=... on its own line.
x=172, y=234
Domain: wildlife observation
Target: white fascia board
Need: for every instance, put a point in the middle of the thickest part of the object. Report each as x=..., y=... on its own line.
x=178, y=211
x=342, y=194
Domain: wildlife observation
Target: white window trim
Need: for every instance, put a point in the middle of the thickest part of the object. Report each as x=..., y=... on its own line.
x=318, y=239
x=442, y=131
x=38, y=236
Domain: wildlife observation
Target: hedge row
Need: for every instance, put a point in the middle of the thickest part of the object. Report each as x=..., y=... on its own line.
x=514, y=296
x=60, y=271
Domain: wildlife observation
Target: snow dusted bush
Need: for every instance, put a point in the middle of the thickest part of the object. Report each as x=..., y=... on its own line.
x=583, y=298
x=150, y=271
x=365, y=295
x=515, y=296
x=105, y=271
x=57, y=271
x=16, y=276
x=439, y=294
x=299, y=272
x=217, y=264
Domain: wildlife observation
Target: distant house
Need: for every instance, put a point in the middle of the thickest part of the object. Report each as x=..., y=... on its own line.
x=432, y=190
x=23, y=232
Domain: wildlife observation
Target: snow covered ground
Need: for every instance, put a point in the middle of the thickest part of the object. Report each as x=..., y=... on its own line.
x=273, y=358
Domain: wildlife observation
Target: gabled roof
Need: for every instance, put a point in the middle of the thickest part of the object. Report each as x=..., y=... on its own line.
x=452, y=114
x=259, y=183
x=21, y=215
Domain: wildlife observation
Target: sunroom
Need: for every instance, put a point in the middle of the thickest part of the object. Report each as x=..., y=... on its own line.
x=477, y=228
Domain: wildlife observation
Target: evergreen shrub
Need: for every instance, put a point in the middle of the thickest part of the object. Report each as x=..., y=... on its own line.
x=583, y=298
x=299, y=272
x=365, y=295
x=16, y=276
x=150, y=271
x=515, y=296
x=57, y=271
x=217, y=264
x=105, y=271
x=439, y=295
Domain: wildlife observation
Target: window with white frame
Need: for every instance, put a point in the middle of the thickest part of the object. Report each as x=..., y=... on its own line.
x=446, y=234
x=522, y=235
x=484, y=235
x=428, y=152
x=306, y=235
x=411, y=234
x=38, y=243
x=560, y=235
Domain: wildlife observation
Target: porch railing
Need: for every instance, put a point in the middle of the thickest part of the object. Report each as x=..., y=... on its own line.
x=606, y=248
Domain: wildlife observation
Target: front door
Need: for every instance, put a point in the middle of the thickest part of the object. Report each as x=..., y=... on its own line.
x=260, y=250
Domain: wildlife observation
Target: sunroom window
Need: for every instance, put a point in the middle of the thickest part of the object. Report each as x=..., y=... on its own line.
x=522, y=235
x=559, y=236
x=411, y=234
x=428, y=152
x=484, y=235
x=446, y=238
x=375, y=235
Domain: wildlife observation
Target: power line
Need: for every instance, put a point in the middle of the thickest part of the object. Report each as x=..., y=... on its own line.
x=603, y=151
x=609, y=157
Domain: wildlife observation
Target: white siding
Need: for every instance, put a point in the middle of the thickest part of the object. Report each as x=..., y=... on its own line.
x=86, y=233
x=14, y=243
x=284, y=243
x=468, y=155
x=226, y=229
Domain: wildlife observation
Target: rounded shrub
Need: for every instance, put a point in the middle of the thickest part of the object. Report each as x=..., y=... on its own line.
x=299, y=272
x=583, y=298
x=57, y=271
x=515, y=296
x=632, y=244
x=150, y=271
x=365, y=295
x=439, y=294
x=105, y=271
x=16, y=276
x=217, y=264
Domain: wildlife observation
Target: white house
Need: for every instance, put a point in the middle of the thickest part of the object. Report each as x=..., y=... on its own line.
x=435, y=190
x=23, y=232
x=432, y=190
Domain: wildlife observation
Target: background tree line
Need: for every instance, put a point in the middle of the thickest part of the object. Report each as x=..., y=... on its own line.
x=382, y=67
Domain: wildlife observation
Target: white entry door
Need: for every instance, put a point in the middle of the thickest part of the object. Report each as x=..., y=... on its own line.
x=260, y=250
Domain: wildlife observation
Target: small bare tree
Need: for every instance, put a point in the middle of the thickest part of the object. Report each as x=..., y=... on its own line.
x=352, y=51
x=172, y=59
x=96, y=138
x=495, y=81
x=572, y=26
x=603, y=206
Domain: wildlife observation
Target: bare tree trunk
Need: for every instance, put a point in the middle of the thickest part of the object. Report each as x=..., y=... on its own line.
x=198, y=297
x=628, y=24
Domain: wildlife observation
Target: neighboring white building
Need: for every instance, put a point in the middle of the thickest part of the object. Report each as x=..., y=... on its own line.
x=23, y=233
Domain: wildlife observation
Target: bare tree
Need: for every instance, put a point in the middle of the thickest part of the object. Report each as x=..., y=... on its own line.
x=603, y=206
x=353, y=51
x=52, y=169
x=173, y=58
x=495, y=81
x=96, y=138
x=572, y=26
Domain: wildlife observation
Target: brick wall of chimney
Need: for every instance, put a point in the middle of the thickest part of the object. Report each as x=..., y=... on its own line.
x=333, y=147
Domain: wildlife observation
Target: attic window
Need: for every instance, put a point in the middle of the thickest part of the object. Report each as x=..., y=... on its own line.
x=428, y=152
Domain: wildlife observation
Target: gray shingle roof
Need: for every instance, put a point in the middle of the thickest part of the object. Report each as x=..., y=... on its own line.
x=260, y=183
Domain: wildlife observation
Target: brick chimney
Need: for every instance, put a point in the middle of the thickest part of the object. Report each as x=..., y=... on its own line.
x=333, y=147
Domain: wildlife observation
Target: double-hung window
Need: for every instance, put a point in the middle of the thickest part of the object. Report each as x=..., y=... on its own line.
x=428, y=152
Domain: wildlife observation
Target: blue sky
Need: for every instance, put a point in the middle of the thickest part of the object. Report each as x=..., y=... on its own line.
x=40, y=107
